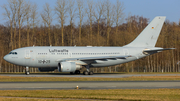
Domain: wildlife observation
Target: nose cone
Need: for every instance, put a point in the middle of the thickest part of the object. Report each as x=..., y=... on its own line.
x=5, y=58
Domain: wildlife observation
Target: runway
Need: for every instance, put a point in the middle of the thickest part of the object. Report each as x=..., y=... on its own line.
x=89, y=85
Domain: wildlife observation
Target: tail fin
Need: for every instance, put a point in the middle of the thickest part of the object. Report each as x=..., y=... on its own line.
x=148, y=37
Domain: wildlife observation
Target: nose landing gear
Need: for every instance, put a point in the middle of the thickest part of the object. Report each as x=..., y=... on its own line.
x=27, y=70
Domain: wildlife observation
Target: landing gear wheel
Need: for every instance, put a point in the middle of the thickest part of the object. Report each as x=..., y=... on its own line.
x=85, y=72
x=91, y=73
x=27, y=71
x=77, y=72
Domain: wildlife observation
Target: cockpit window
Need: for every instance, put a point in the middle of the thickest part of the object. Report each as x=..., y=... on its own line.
x=14, y=53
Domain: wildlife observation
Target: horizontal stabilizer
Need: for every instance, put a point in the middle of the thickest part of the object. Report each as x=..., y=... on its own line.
x=155, y=50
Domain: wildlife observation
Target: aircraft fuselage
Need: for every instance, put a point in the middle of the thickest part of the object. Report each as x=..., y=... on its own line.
x=48, y=56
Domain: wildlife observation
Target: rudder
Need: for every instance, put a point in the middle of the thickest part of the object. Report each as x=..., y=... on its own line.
x=148, y=37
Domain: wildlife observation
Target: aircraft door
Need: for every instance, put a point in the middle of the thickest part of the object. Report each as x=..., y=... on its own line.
x=29, y=57
x=27, y=54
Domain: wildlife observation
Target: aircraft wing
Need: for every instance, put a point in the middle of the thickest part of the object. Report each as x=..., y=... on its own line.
x=94, y=58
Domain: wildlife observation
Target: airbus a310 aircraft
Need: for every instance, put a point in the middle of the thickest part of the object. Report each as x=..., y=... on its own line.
x=71, y=59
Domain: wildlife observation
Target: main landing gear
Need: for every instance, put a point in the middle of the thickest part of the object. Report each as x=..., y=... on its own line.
x=88, y=72
x=76, y=72
x=27, y=70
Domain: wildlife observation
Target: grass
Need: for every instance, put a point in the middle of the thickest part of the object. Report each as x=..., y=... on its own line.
x=36, y=99
x=110, y=94
x=34, y=79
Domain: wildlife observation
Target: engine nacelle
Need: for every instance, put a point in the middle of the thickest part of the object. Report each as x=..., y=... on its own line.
x=47, y=69
x=68, y=67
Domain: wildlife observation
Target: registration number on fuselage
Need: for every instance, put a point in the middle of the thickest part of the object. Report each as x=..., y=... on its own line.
x=44, y=61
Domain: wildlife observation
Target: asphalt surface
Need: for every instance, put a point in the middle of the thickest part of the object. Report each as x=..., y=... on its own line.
x=88, y=84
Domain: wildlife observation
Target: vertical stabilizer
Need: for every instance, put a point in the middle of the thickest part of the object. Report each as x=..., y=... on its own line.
x=148, y=37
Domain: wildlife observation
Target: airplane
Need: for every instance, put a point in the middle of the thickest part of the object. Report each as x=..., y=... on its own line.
x=72, y=58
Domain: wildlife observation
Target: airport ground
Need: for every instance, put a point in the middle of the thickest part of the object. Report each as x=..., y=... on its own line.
x=101, y=86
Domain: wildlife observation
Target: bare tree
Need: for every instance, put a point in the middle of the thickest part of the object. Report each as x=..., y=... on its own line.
x=61, y=10
x=47, y=19
x=109, y=9
x=89, y=12
x=72, y=12
x=119, y=16
x=98, y=15
x=28, y=19
x=21, y=16
x=80, y=4
x=10, y=13
x=34, y=17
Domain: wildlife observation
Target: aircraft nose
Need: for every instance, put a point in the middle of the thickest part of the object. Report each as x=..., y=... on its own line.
x=5, y=57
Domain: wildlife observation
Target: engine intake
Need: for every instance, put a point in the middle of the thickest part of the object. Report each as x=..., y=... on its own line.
x=68, y=67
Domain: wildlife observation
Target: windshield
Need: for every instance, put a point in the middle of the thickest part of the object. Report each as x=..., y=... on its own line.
x=14, y=53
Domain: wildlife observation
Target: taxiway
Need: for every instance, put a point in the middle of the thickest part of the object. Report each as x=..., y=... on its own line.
x=89, y=85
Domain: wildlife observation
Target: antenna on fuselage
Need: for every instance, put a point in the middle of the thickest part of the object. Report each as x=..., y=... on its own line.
x=33, y=45
x=50, y=45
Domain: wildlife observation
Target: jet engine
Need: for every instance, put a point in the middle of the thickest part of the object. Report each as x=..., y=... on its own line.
x=47, y=69
x=68, y=67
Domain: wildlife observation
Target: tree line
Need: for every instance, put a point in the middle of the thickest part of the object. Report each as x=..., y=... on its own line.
x=83, y=23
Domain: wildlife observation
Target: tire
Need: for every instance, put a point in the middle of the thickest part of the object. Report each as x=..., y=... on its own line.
x=77, y=72
x=91, y=73
x=85, y=73
x=27, y=73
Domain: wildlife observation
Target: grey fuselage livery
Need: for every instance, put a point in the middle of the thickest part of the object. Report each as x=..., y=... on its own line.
x=47, y=57
x=70, y=59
